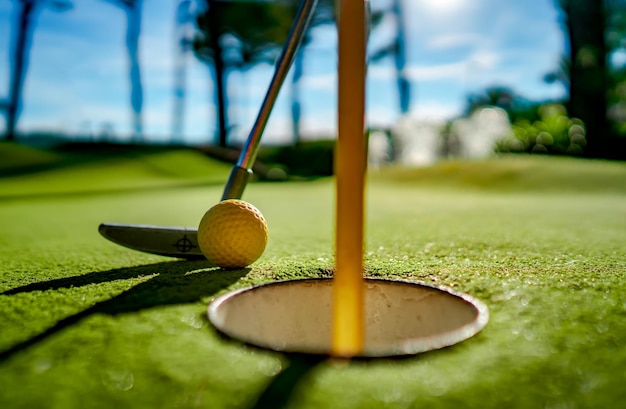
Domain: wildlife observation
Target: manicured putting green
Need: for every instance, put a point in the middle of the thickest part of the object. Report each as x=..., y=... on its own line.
x=86, y=323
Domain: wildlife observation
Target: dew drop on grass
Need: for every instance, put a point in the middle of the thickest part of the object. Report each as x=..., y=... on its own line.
x=602, y=327
x=270, y=367
x=590, y=382
x=42, y=365
x=391, y=394
x=560, y=405
x=193, y=320
x=120, y=379
x=438, y=387
x=529, y=334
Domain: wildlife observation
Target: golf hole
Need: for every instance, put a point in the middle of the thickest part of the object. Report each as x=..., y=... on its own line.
x=401, y=317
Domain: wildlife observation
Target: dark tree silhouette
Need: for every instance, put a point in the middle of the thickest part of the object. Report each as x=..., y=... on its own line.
x=588, y=80
x=516, y=106
x=585, y=71
x=616, y=42
x=396, y=49
x=296, y=95
x=399, y=52
x=237, y=35
x=324, y=14
x=184, y=40
x=22, y=33
x=132, y=8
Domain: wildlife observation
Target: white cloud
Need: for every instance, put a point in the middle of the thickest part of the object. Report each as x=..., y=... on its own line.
x=453, y=70
x=434, y=110
x=320, y=123
x=450, y=40
x=381, y=72
x=484, y=58
x=87, y=116
x=380, y=116
x=442, y=6
x=438, y=8
x=320, y=82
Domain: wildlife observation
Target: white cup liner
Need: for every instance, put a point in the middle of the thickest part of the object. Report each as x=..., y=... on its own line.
x=401, y=317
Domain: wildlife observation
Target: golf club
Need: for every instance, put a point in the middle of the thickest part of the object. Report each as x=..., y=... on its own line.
x=181, y=242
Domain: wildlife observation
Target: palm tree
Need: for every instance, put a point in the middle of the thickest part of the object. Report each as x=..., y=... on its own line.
x=324, y=14
x=296, y=104
x=237, y=35
x=397, y=49
x=132, y=8
x=404, y=86
x=585, y=27
x=184, y=41
x=23, y=36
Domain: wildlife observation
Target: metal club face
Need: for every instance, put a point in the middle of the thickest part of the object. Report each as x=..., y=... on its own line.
x=178, y=242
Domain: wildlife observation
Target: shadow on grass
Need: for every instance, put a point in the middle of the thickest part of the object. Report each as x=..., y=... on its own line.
x=280, y=391
x=172, y=283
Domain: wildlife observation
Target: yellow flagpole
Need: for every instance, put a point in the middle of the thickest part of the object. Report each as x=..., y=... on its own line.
x=350, y=167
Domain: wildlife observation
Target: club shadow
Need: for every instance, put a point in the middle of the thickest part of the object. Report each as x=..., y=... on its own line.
x=166, y=268
x=174, y=283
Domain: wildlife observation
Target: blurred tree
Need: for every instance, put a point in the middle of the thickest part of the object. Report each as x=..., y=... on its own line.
x=22, y=33
x=324, y=14
x=397, y=49
x=590, y=29
x=132, y=8
x=295, y=95
x=516, y=106
x=237, y=35
x=183, y=32
x=616, y=41
x=499, y=96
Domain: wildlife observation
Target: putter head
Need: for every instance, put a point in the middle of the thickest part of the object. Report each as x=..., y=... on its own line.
x=178, y=242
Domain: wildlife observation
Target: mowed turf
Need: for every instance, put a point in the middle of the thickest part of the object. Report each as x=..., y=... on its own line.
x=86, y=323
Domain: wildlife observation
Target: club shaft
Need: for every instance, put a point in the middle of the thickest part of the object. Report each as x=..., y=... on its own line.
x=242, y=170
x=303, y=16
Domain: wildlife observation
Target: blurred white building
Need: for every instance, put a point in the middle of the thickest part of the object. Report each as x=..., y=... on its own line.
x=422, y=143
x=478, y=134
x=416, y=142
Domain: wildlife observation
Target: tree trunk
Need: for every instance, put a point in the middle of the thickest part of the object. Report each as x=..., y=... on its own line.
x=19, y=66
x=404, y=86
x=221, y=98
x=183, y=46
x=296, y=105
x=133, y=29
x=588, y=73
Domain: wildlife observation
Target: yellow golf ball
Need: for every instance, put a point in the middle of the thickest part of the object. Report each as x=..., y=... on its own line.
x=232, y=234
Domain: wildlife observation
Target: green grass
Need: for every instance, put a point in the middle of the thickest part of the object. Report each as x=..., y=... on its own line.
x=86, y=323
x=30, y=171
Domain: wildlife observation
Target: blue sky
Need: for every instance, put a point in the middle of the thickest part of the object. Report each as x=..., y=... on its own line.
x=77, y=78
